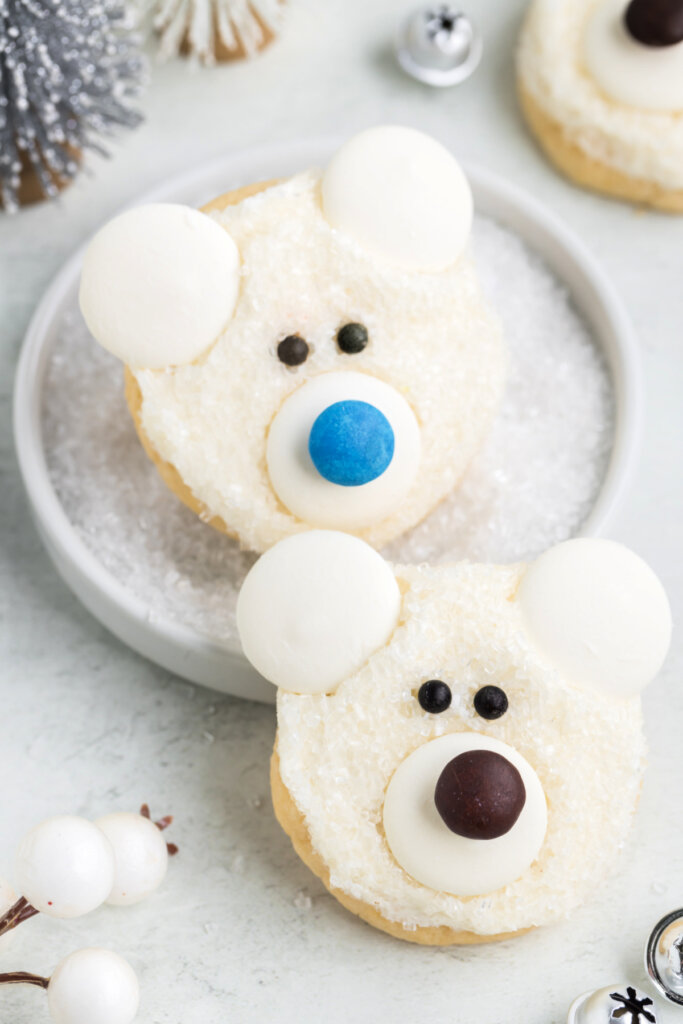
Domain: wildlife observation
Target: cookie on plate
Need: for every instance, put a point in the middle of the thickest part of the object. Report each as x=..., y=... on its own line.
x=309, y=353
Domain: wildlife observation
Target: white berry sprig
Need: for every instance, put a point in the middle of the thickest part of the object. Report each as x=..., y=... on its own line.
x=67, y=866
x=140, y=854
x=90, y=986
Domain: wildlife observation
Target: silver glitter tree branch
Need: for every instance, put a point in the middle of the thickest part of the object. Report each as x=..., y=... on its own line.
x=69, y=71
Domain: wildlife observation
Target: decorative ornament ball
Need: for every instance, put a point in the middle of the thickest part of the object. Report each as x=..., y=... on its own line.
x=612, y=1004
x=664, y=956
x=93, y=986
x=439, y=45
x=64, y=867
x=140, y=856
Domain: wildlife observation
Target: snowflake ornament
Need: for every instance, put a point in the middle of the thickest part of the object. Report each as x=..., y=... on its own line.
x=632, y=1004
x=213, y=30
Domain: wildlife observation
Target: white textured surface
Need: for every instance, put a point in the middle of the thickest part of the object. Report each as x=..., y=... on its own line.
x=239, y=926
x=641, y=143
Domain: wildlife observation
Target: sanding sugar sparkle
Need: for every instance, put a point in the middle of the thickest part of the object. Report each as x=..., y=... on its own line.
x=532, y=484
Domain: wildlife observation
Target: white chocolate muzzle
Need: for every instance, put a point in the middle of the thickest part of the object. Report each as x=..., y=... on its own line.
x=439, y=858
x=301, y=486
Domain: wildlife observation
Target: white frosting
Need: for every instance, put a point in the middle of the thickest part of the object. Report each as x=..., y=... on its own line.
x=599, y=613
x=159, y=284
x=642, y=144
x=338, y=753
x=431, y=338
x=649, y=77
x=314, y=608
x=299, y=485
x=427, y=849
x=402, y=195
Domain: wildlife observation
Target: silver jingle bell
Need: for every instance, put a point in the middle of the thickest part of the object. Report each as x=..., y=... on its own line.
x=439, y=45
x=614, y=1004
x=664, y=957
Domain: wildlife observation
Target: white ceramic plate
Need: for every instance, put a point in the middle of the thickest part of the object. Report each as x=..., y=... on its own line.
x=183, y=650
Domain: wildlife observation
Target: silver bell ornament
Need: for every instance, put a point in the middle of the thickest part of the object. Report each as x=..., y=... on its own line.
x=664, y=957
x=439, y=45
x=614, y=1004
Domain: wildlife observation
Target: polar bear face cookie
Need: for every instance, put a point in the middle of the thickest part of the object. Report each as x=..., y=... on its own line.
x=316, y=355
x=459, y=749
x=601, y=83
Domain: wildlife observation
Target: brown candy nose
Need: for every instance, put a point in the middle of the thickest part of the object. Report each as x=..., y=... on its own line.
x=655, y=22
x=480, y=795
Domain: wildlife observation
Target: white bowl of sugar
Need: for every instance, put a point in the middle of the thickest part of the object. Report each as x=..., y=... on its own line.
x=556, y=464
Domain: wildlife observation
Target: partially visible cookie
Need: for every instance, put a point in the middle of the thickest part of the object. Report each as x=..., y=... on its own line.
x=601, y=87
x=455, y=742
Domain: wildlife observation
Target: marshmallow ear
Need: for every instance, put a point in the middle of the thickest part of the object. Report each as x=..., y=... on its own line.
x=314, y=608
x=159, y=284
x=599, y=613
x=401, y=195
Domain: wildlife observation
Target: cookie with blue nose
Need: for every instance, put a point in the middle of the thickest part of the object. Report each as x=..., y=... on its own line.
x=455, y=741
x=314, y=352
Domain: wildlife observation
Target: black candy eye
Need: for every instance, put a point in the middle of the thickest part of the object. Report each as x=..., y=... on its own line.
x=490, y=702
x=352, y=338
x=434, y=696
x=293, y=350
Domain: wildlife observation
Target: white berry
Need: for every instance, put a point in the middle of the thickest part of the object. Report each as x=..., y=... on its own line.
x=64, y=867
x=93, y=986
x=140, y=854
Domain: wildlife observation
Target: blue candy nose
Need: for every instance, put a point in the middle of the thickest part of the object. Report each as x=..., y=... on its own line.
x=351, y=443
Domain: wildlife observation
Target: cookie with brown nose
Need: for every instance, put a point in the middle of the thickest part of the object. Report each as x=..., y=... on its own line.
x=454, y=741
